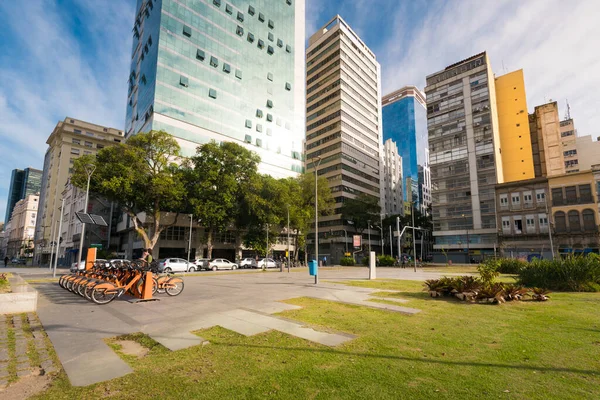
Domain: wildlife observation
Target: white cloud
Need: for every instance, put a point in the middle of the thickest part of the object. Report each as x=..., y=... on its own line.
x=59, y=66
x=555, y=42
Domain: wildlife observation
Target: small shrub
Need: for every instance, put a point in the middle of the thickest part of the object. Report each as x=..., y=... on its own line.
x=347, y=261
x=3, y=278
x=510, y=265
x=386, y=261
x=488, y=270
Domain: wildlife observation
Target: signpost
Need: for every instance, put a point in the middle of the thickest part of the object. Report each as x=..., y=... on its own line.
x=357, y=241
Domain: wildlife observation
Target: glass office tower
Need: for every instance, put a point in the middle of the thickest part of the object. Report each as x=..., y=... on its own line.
x=221, y=70
x=22, y=184
x=405, y=122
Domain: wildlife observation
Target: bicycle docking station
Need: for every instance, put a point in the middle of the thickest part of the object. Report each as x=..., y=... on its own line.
x=103, y=282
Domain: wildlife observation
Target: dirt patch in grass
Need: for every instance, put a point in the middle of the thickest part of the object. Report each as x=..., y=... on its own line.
x=132, y=348
x=26, y=387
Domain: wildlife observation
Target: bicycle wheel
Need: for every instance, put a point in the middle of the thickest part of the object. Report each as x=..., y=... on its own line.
x=81, y=288
x=104, y=296
x=174, y=286
x=89, y=289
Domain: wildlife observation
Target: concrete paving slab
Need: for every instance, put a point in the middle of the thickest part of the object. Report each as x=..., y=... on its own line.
x=241, y=302
x=176, y=340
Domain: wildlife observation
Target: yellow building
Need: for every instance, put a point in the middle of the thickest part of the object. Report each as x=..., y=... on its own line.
x=515, y=139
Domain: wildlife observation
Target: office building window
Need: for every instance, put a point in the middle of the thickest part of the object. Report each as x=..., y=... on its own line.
x=248, y=139
x=279, y=43
x=200, y=55
x=239, y=31
x=226, y=68
x=271, y=24
x=214, y=61
x=184, y=81
x=261, y=44
x=187, y=31
x=212, y=93
x=228, y=9
x=238, y=74
x=270, y=76
x=251, y=10
x=259, y=113
x=248, y=123
x=240, y=16
x=261, y=17
x=250, y=37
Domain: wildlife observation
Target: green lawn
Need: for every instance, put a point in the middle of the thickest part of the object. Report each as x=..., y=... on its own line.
x=451, y=350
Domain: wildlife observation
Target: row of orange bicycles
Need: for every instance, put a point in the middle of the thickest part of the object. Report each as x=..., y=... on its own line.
x=105, y=282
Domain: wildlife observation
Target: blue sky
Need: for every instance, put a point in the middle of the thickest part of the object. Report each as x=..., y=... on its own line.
x=71, y=57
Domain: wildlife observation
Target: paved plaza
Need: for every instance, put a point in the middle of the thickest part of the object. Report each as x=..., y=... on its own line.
x=241, y=302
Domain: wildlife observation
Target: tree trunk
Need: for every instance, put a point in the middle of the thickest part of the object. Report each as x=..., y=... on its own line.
x=209, y=244
x=238, y=246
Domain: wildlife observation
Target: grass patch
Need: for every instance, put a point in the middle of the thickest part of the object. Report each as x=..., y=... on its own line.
x=4, y=283
x=34, y=358
x=449, y=350
x=11, y=346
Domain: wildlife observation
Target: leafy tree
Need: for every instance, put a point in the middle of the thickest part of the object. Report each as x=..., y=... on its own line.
x=142, y=176
x=360, y=211
x=220, y=175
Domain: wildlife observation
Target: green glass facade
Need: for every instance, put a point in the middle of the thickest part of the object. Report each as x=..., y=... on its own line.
x=221, y=70
x=22, y=184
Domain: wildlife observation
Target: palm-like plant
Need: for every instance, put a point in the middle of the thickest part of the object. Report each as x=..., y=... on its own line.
x=540, y=294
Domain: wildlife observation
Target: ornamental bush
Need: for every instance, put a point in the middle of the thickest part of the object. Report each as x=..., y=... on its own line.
x=573, y=274
x=347, y=261
x=386, y=261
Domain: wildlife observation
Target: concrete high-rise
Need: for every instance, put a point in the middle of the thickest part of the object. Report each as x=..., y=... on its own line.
x=546, y=141
x=21, y=227
x=391, y=179
x=343, y=132
x=221, y=70
x=22, y=184
x=405, y=122
x=465, y=159
x=513, y=125
x=69, y=140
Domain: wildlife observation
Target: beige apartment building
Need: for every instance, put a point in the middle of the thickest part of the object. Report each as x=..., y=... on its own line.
x=546, y=141
x=22, y=226
x=343, y=127
x=69, y=140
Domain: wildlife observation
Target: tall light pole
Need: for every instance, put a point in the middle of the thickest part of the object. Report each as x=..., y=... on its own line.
x=190, y=240
x=369, y=232
x=412, y=213
x=468, y=247
x=267, y=255
x=288, y=238
x=549, y=225
x=317, y=216
x=346, y=241
x=62, y=207
x=89, y=170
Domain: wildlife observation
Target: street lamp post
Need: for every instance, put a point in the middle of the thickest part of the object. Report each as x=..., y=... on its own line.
x=62, y=207
x=317, y=217
x=89, y=170
x=412, y=213
x=345, y=241
x=369, y=232
x=190, y=240
x=468, y=246
x=289, y=255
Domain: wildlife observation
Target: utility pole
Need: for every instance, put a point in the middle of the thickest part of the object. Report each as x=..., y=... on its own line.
x=412, y=212
x=190, y=240
x=288, y=238
x=89, y=169
x=398, y=239
x=369, y=231
x=317, y=218
x=391, y=247
x=62, y=207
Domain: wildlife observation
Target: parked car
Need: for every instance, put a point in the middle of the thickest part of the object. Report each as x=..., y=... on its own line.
x=248, y=263
x=267, y=263
x=118, y=260
x=18, y=261
x=221, y=263
x=174, y=265
x=81, y=267
x=201, y=263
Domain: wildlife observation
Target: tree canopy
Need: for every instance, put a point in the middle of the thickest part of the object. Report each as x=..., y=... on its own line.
x=361, y=210
x=142, y=176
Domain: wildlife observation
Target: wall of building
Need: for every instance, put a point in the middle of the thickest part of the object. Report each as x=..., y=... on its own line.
x=513, y=124
x=22, y=226
x=548, y=128
x=222, y=72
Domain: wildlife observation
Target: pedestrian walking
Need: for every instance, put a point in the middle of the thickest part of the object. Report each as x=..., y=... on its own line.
x=5, y=262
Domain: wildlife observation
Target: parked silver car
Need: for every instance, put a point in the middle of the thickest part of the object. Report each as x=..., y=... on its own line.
x=267, y=263
x=174, y=265
x=201, y=263
x=221, y=263
x=248, y=263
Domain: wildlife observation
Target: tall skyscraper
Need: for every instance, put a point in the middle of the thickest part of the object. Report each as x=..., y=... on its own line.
x=343, y=118
x=221, y=70
x=391, y=179
x=405, y=122
x=22, y=184
x=513, y=125
x=69, y=140
x=466, y=164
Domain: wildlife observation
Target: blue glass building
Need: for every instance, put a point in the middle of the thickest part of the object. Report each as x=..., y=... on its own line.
x=221, y=70
x=404, y=121
x=22, y=184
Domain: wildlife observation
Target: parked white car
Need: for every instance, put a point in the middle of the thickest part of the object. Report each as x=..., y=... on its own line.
x=201, y=263
x=248, y=263
x=221, y=263
x=267, y=263
x=74, y=267
x=174, y=265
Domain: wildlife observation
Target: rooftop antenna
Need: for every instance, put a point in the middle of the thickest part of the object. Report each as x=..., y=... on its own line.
x=568, y=115
x=503, y=67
